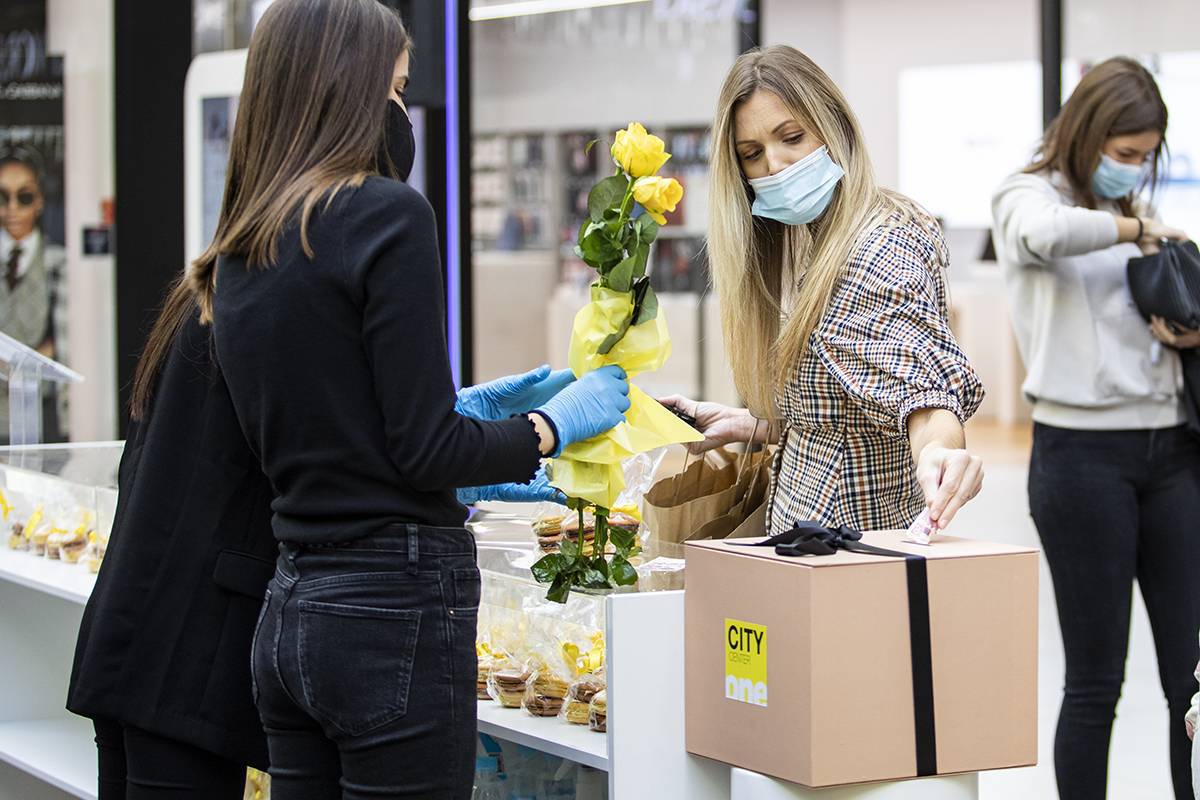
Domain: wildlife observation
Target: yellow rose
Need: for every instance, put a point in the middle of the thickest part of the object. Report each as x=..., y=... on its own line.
x=657, y=195
x=638, y=152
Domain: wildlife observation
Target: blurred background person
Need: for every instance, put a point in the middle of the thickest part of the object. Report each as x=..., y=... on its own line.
x=1114, y=478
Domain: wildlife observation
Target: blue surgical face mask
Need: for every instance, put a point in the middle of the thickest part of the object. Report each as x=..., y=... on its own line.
x=800, y=193
x=1113, y=179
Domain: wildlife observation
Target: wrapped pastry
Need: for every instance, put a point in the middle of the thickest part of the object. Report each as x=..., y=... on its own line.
x=548, y=531
x=552, y=527
x=544, y=693
x=577, y=707
x=16, y=537
x=73, y=545
x=54, y=542
x=487, y=661
x=37, y=531
x=506, y=685
x=93, y=554
x=598, y=711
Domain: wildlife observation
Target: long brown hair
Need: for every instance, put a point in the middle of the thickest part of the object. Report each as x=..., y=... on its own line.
x=1115, y=98
x=310, y=122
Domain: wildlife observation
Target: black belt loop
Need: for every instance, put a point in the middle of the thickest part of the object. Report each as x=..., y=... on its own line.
x=414, y=553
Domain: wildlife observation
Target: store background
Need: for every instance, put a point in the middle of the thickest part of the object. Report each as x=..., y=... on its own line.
x=949, y=93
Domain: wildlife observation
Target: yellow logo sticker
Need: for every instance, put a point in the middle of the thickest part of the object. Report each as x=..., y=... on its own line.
x=746, y=662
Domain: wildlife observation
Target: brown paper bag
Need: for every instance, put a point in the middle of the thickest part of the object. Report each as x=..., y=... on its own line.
x=677, y=506
x=750, y=492
x=754, y=525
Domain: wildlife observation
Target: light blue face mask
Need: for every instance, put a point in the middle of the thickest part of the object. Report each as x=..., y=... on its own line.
x=1113, y=179
x=800, y=193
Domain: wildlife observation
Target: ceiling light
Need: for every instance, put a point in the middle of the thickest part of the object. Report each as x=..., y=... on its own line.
x=524, y=8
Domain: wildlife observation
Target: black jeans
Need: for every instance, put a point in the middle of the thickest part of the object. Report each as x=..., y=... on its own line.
x=138, y=765
x=1111, y=506
x=364, y=667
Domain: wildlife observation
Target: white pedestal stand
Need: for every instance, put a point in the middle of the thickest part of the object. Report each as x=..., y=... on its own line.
x=746, y=785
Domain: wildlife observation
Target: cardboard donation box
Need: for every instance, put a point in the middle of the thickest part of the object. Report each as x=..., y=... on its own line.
x=853, y=667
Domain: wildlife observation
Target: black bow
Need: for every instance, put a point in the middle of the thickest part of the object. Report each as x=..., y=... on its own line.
x=809, y=538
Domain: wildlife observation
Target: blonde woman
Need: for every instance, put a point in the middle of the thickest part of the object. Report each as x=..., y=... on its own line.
x=834, y=311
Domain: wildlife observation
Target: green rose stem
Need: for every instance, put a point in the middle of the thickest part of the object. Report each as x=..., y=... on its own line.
x=577, y=566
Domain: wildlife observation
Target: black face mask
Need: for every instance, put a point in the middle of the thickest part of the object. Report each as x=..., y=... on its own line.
x=399, y=145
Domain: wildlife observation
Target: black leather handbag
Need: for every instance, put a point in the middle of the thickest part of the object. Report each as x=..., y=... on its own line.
x=1167, y=285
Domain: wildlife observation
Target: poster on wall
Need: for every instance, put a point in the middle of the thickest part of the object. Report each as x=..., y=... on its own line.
x=33, y=279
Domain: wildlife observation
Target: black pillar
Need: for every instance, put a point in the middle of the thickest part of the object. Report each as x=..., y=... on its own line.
x=462, y=88
x=749, y=26
x=153, y=48
x=1052, y=58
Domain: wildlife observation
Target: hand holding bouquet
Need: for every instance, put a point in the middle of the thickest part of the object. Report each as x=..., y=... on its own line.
x=622, y=325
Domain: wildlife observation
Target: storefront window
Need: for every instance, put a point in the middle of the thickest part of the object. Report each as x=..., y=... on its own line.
x=545, y=85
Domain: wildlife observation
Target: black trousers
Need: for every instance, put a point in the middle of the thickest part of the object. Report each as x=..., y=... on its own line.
x=364, y=667
x=138, y=765
x=1112, y=506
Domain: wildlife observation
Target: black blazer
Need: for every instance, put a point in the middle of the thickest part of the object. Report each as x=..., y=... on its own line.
x=165, y=640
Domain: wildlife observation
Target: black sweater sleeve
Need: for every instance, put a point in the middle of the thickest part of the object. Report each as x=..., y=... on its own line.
x=399, y=277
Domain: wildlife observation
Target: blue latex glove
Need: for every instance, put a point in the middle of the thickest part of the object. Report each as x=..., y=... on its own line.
x=535, y=491
x=515, y=394
x=588, y=407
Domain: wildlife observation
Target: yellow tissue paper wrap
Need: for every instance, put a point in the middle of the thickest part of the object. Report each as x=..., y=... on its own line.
x=591, y=469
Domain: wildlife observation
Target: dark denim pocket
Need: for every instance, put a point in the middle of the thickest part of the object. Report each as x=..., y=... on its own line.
x=465, y=591
x=356, y=662
x=262, y=614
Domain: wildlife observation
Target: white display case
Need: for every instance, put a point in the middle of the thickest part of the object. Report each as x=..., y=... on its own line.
x=48, y=754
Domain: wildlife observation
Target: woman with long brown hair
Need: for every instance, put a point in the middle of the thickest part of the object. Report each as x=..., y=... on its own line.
x=162, y=662
x=1114, y=478
x=834, y=311
x=325, y=293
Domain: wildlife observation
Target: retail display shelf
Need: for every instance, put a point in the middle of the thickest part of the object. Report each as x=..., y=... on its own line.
x=58, y=751
x=548, y=734
x=51, y=576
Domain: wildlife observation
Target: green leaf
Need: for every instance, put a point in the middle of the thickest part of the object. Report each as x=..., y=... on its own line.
x=594, y=578
x=549, y=567
x=620, y=279
x=641, y=256
x=568, y=549
x=623, y=539
x=647, y=229
x=598, y=249
x=606, y=194
x=623, y=572
x=645, y=302
x=560, y=590
x=588, y=147
x=600, y=564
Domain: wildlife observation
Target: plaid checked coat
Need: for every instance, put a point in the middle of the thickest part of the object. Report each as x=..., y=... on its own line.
x=882, y=351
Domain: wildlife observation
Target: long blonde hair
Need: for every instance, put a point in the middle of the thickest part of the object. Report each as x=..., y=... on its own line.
x=751, y=258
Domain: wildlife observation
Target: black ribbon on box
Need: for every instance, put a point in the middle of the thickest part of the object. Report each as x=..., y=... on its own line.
x=813, y=539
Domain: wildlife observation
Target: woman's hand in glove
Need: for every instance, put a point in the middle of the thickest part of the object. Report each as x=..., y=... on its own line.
x=588, y=407
x=515, y=394
x=535, y=491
